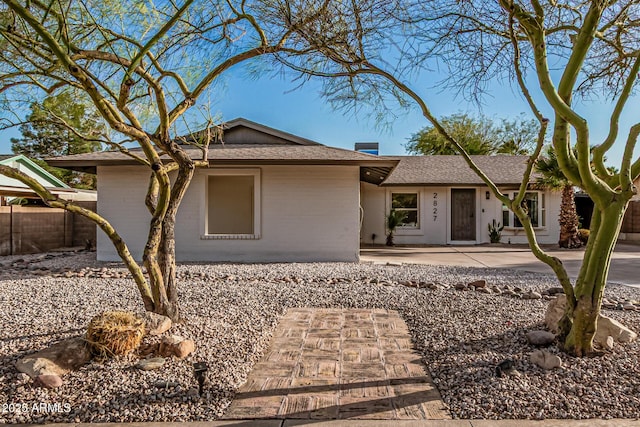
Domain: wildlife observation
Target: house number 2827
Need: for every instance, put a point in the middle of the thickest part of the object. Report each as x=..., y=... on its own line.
x=435, y=206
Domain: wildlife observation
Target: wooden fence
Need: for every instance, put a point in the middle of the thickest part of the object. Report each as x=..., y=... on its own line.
x=27, y=229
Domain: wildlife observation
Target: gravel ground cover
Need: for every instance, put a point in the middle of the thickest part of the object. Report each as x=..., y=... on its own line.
x=231, y=311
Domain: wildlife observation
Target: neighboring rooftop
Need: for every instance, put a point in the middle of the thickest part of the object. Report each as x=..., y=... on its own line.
x=10, y=187
x=453, y=170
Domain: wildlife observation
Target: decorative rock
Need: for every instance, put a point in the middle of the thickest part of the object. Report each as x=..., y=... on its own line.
x=545, y=360
x=49, y=380
x=555, y=311
x=175, y=345
x=478, y=284
x=540, y=338
x=484, y=290
x=156, y=324
x=609, y=327
x=555, y=291
x=628, y=306
x=532, y=295
x=506, y=367
x=609, y=343
x=150, y=364
x=460, y=286
x=185, y=348
x=605, y=326
x=496, y=290
x=58, y=359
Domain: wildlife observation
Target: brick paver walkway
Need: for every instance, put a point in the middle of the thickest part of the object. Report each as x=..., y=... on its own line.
x=339, y=363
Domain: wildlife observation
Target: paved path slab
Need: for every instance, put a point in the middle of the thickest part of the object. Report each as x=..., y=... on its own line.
x=339, y=364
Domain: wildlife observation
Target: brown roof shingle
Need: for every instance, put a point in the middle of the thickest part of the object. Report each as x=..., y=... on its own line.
x=453, y=170
x=234, y=154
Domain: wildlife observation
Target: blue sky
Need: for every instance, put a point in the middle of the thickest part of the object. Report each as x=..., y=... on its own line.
x=277, y=103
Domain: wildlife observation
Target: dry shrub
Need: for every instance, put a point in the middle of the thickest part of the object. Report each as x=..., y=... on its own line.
x=583, y=235
x=114, y=333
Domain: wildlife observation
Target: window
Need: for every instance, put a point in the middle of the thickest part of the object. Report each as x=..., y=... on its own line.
x=535, y=205
x=233, y=204
x=407, y=203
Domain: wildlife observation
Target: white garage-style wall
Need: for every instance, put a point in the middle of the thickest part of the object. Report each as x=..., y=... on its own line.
x=434, y=227
x=306, y=213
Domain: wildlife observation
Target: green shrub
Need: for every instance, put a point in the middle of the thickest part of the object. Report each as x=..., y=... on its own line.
x=495, y=231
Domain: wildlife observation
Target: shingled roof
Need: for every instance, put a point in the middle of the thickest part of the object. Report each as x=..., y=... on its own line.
x=231, y=153
x=247, y=142
x=453, y=170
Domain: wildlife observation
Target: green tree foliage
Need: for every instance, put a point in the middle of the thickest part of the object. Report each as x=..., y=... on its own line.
x=477, y=135
x=143, y=66
x=51, y=130
x=552, y=53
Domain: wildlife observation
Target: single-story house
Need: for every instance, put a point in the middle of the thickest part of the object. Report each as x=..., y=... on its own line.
x=271, y=196
x=447, y=203
x=12, y=188
x=268, y=196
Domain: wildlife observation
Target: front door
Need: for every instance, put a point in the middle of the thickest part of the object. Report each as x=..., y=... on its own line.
x=463, y=214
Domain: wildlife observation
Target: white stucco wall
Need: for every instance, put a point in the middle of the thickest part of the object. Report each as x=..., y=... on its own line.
x=307, y=213
x=435, y=217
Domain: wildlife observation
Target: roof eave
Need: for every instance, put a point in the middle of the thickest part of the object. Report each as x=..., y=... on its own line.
x=449, y=184
x=90, y=166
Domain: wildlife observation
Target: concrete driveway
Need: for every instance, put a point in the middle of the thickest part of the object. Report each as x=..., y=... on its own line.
x=625, y=264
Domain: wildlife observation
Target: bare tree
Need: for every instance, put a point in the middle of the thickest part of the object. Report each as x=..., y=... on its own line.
x=143, y=66
x=370, y=52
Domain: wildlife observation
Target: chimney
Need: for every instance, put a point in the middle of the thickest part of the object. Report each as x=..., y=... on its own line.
x=367, y=147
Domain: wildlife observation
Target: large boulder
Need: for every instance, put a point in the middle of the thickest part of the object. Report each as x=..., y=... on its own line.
x=606, y=326
x=58, y=359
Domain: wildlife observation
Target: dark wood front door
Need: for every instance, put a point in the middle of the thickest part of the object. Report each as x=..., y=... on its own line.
x=463, y=214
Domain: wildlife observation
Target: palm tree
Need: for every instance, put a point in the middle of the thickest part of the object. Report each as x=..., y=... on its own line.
x=553, y=178
x=394, y=219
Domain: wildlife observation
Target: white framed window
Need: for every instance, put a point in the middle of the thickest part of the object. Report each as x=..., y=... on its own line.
x=232, y=205
x=535, y=205
x=408, y=203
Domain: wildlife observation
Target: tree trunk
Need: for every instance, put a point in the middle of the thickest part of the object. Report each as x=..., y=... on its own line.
x=167, y=260
x=167, y=250
x=592, y=279
x=569, y=237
